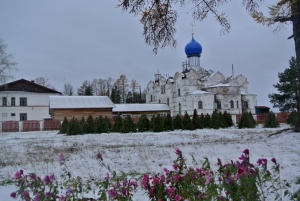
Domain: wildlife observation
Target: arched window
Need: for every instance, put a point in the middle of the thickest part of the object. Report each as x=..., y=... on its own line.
x=219, y=106
x=159, y=101
x=178, y=92
x=237, y=104
x=151, y=98
x=200, y=106
x=179, y=110
x=168, y=101
x=246, y=104
x=231, y=104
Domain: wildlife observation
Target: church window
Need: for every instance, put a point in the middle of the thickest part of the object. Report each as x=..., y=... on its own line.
x=237, y=104
x=163, y=89
x=219, y=106
x=231, y=104
x=168, y=101
x=179, y=105
x=151, y=97
x=159, y=101
x=200, y=106
x=178, y=92
x=246, y=104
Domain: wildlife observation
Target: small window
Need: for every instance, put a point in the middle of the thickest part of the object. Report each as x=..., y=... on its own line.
x=23, y=101
x=237, y=104
x=246, y=104
x=151, y=98
x=23, y=116
x=231, y=104
x=219, y=106
x=13, y=101
x=168, y=101
x=13, y=114
x=178, y=92
x=179, y=105
x=159, y=101
x=200, y=106
x=4, y=101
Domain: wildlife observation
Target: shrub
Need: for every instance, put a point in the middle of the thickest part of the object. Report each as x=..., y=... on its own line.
x=247, y=121
x=143, y=123
x=90, y=125
x=207, y=121
x=187, y=123
x=117, y=124
x=168, y=123
x=107, y=120
x=271, y=121
x=128, y=125
x=64, y=126
x=292, y=119
x=101, y=125
x=216, y=121
x=227, y=119
x=74, y=127
x=158, y=125
x=196, y=120
x=177, y=122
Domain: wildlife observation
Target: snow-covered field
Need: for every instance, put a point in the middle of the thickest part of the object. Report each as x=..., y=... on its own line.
x=141, y=152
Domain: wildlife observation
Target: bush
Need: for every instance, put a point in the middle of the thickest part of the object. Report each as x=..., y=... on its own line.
x=271, y=121
x=117, y=124
x=64, y=126
x=187, y=123
x=177, y=122
x=128, y=125
x=90, y=125
x=207, y=121
x=216, y=121
x=247, y=121
x=143, y=123
x=158, y=125
x=196, y=120
x=74, y=127
x=292, y=119
x=227, y=119
x=101, y=125
x=168, y=123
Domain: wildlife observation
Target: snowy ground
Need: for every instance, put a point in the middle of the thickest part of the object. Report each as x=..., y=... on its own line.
x=141, y=152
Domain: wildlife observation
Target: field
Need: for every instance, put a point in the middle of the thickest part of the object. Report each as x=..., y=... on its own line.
x=141, y=152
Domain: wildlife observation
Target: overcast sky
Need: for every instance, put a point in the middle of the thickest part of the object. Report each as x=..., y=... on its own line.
x=69, y=41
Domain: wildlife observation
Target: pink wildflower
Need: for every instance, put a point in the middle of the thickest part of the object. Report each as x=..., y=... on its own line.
x=241, y=172
x=145, y=181
x=69, y=191
x=176, y=177
x=246, y=151
x=47, y=180
x=13, y=195
x=262, y=162
x=178, y=152
x=18, y=174
x=178, y=198
x=171, y=192
x=155, y=180
x=175, y=166
x=274, y=160
x=208, y=177
x=61, y=198
x=112, y=193
x=61, y=158
x=37, y=197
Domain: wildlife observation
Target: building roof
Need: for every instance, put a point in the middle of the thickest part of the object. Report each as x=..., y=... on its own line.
x=67, y=102
x=142, y=107
x=26, y=86
x=200, y=92
x=262, y=107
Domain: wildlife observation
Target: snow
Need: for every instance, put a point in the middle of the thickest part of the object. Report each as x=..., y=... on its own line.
x=141, y=152
x=135, y=107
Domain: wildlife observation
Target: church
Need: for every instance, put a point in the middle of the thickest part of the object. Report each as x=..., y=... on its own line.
x=201, y=89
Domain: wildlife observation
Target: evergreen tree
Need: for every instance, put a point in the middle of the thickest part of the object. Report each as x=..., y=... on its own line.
x=64, y=126
x=117, y=124
x=128, y=125
x=196, y=120
x=271, y=121
x=158, y=125
x=108, y=123
x=90, y=125
x=286, y=99
x=101, y=125
x=152, y=122
x=83, y=125
x=202, y=121
x=168, y=123
x=207, y=121
x=227, y=119
x=292, y=119
x=215, y=120
x=115, y=95
x=177, y=122
x=74, y=127
x=247, y=121
x=86, y=89
x=143, y=123
x=187, y=123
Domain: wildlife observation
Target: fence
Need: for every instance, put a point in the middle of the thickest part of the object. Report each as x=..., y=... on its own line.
x=32, y=125
x=262, y=118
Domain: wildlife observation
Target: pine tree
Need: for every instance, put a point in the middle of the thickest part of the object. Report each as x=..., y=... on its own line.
x=74, y=127
x=215, y=120
x=107, y=120
x=207, y=121
x=83, y=126
x=201, y=121
x=196, y=120
x=247, y=121
x=117, y=124
x=64, y=126
x=90, y=125
x=227, y=119
x=292, y=119
x=168, y=123
x=158, y=125
x=143, y=123
x=271, y=121
x=128, y=125
x=177, y=122
x=187, y=123
x=101, y=125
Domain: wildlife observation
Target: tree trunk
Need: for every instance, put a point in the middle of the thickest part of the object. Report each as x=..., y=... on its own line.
x=296, y=31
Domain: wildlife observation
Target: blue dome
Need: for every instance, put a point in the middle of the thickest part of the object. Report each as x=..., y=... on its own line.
x=193, y=48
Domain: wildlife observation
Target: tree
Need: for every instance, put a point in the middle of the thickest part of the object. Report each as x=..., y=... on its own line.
x=68, y=90
x=157, y=125
x=187, y=123
x=43, y=81
x=86, y=89
x=247, y=121
x=122, y=85
x=159, y=19
x=177, y=122
x=6, y=64
x=196, y=120
x=64, y=126
x=117, y=124
x=287, y=98
x=143, y=124
x=271, y=121
x=168, y=123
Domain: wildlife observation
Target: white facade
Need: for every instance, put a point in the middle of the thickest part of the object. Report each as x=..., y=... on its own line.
x=200, y=89
x=24, y=105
